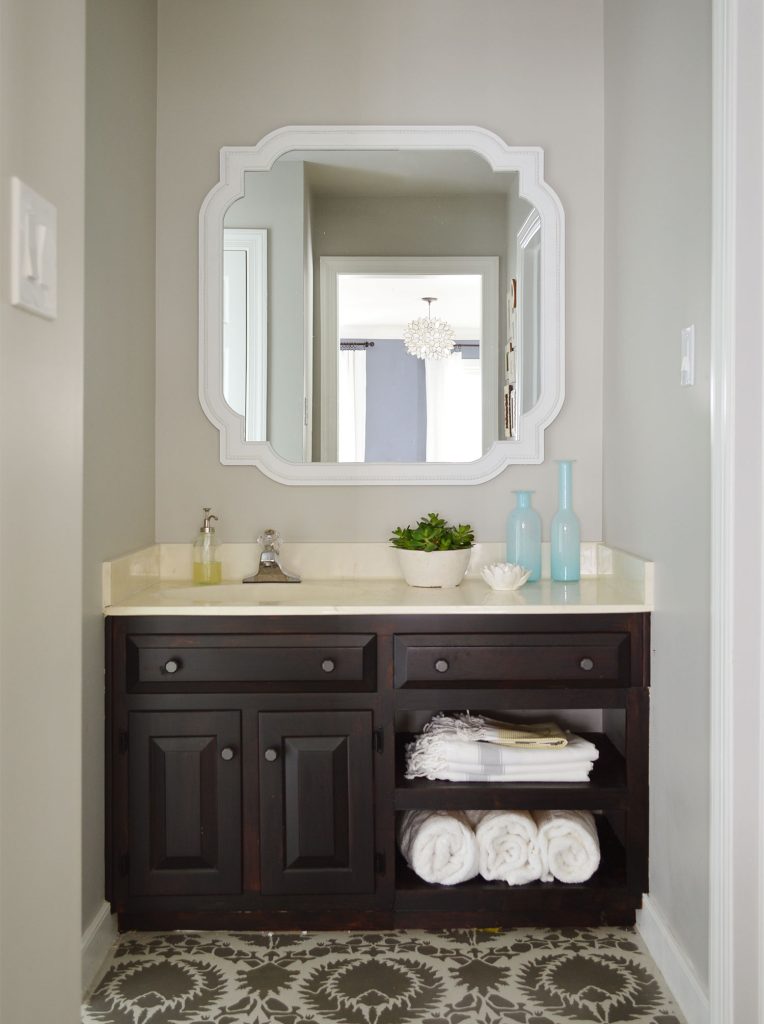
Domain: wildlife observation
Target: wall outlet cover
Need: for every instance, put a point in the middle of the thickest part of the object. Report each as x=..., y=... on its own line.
x=34, y=260
x=687, y=365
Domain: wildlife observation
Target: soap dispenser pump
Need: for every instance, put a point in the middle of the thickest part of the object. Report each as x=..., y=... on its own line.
x=207, y=565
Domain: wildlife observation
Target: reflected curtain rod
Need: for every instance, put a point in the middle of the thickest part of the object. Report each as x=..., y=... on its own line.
x=352, y=343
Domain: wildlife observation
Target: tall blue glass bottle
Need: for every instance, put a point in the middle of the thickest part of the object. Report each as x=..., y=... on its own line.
x=566, y=532
x=524, y=535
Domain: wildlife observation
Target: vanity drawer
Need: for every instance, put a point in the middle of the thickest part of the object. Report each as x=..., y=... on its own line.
x=272, y=664
x=440, y=661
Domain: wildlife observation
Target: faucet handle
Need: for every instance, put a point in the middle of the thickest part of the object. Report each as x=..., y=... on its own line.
x=271, y=540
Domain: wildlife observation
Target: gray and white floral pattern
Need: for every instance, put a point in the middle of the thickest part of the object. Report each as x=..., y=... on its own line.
x=520, y=976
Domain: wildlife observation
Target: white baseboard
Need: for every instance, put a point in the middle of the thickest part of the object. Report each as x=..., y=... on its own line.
x=97, y=940
x=671, y=960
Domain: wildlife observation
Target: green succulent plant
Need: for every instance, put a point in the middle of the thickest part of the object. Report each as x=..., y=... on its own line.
x=432, y=533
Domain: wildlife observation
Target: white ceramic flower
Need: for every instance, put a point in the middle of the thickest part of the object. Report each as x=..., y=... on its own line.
x=504, y=575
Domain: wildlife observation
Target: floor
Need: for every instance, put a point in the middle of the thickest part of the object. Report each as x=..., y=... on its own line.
x=522, y=976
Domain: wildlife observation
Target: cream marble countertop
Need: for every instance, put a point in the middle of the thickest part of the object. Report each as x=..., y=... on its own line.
x=357, y=579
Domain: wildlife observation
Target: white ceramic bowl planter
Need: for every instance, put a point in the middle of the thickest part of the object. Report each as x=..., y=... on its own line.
x=434, y=568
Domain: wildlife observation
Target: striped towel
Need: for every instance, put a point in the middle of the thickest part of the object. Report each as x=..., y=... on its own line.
x=534, y=736
x=435, y=756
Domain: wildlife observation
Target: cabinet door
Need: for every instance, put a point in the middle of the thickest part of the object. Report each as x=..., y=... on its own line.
x=316, y=802
x=185, y=802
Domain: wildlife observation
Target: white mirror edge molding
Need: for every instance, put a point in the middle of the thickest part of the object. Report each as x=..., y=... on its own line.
x=235, y=161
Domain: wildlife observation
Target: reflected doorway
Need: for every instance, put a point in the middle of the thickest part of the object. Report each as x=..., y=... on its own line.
x=393, y=406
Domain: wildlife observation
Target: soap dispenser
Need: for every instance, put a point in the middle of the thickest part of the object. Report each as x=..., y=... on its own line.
x=207, y=565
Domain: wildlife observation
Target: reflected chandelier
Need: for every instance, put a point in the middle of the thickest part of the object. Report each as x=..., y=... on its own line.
x=428, y=337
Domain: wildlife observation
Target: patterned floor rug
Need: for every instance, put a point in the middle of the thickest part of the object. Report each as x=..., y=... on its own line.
x=522, y=976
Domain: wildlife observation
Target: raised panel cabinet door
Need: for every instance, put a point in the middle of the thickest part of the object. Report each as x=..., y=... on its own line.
x=316, y=802
x=184, y=802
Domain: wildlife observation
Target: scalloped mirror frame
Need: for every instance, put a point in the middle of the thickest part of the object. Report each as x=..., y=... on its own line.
x=236, y=161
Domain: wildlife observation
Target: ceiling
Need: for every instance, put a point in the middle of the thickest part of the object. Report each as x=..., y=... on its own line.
x=379, y=306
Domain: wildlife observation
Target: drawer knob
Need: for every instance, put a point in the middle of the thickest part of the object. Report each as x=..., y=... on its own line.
x=327, y=665
x=586, y=664
x=171, y=666
x=227, y=753
x=441, y=665
x=271, y=754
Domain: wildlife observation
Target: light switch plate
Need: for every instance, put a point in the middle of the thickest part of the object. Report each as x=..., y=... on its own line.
x=34, y=261
x=687, y=365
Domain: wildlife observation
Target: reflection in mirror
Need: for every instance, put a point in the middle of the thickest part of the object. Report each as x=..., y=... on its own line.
x=304, y=389
x=245, y=326
x=528, y=298
x=376, y=364
x=392, y=201
x=414, y=409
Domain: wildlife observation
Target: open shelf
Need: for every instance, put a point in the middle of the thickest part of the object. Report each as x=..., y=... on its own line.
x=606, y=887
x=605, y=790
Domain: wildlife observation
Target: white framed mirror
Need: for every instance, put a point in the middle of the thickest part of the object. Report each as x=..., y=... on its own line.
x=336, y=372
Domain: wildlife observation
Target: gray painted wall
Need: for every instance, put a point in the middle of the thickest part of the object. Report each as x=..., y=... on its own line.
x=42, y=121
x=119, y=352
x=657, y=435
x=359, y=61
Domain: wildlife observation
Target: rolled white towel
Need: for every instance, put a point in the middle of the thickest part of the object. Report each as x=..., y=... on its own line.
x=508, y=846
x=568, y=844
x=439, y=846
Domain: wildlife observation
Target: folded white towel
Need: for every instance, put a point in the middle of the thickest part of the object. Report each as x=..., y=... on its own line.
x=439, y=846
x=432, y=753
x=462, y=773
x=507, y=843
x=568, y=844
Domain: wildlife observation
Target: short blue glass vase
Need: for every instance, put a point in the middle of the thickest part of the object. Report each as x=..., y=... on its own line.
x=524, y=536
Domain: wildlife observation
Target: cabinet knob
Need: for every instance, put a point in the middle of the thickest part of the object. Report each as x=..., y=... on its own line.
x=327, y=665
x=227, y=753
x=441, y=665
x=586, y=664
x=171, y=666
x=271, y=754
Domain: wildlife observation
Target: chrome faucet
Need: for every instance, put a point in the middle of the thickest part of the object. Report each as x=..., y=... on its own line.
x=269, y=570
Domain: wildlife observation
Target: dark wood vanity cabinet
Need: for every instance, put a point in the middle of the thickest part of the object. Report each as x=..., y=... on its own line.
x=184, y=797
x=255, y=771
x=316, y=815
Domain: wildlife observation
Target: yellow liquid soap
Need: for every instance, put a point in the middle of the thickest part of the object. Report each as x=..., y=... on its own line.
x=208, y=572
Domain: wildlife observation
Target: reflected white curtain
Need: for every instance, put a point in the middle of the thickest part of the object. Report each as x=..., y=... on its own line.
x=351, y=406
x=454, y=409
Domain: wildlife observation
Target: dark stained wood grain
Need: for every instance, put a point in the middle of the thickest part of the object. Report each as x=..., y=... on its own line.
x=314, y=846
x=316, y=812
x=506, y=660
x=185, y=802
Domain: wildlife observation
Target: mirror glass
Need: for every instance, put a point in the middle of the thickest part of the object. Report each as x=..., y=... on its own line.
x=381, y=304
x=343, y=270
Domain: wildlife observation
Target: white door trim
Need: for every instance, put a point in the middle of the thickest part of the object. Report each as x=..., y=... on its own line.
x=721, y=856
x=736, y=916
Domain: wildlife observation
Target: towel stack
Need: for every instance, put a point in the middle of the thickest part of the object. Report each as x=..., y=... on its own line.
x=513, y=846
x=471, y=748
x=448, y=847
